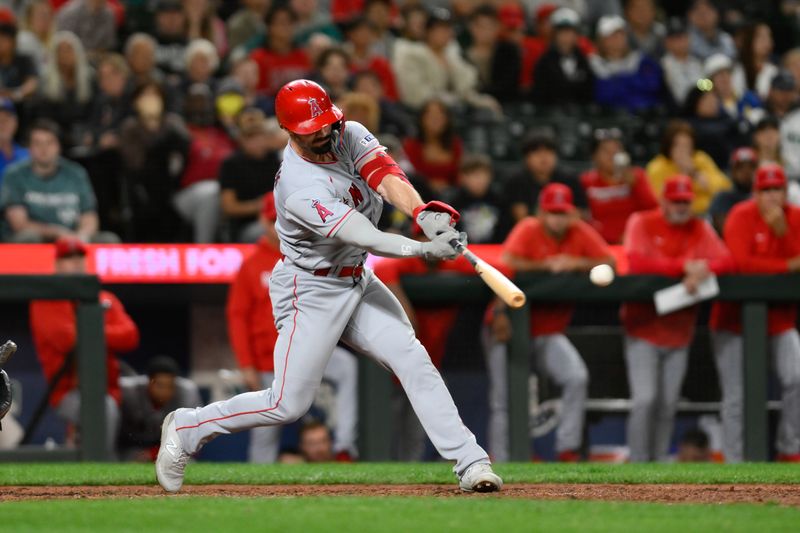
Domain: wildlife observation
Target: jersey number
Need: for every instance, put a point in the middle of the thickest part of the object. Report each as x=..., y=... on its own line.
x=356, y=195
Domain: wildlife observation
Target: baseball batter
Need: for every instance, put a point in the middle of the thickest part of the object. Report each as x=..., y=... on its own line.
x=329, y=195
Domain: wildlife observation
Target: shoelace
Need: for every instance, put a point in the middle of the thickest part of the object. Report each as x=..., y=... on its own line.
x=181, y=461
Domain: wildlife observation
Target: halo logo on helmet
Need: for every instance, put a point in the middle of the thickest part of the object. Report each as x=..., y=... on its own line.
x=315, y=110
x=303, y=108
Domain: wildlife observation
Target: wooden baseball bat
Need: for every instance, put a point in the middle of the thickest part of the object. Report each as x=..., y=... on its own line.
x=501, y=285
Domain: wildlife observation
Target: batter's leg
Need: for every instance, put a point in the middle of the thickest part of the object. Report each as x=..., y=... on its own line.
x=379, y=328
x=728, y=356
x=565, y=366
x=265, y=441
x=642, y=362
x=310, y=322
x=497, y=369
x=673, y=370
x=342, y=372
x=786, y=354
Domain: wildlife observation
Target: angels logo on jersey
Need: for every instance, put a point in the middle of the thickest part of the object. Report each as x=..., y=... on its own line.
x=316, y=110
x=322, y=211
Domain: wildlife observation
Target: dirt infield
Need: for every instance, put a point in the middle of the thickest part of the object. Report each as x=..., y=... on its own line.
x=778, y=494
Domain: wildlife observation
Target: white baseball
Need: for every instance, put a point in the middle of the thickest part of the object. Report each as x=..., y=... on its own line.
x=602, y=275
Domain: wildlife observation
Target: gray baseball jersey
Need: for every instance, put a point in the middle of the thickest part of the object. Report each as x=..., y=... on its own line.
x=313, y=313
x=314, y=199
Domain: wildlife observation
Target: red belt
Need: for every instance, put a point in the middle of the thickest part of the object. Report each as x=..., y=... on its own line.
x=345, y=272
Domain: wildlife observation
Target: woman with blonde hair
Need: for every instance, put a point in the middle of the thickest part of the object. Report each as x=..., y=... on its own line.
x=36, y=31
x=66, y=89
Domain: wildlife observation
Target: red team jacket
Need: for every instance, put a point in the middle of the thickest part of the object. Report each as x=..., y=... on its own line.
x=53, y=327
x=612, y=203
x=251, y=327
x=529, y=240
x=757, y=250
x=654, y=246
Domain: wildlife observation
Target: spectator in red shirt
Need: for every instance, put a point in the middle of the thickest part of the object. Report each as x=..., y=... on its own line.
x=763, y=235
x=672, y=242
x=279, y=61
x=252, y=333
x=436, y=151
x=614, y=188
x=197, y=201
x=554, y=241
x=54, y=331
x=361, y=36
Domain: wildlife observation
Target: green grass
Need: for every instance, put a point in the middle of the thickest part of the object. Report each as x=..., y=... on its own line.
x=355, y=514
x=399, y=473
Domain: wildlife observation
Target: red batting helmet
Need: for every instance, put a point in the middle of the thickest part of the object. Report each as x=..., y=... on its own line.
x=303, y=107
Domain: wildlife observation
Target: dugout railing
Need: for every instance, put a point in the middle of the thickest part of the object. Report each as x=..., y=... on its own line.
x=753, y=292
x=90, y=357
x=375, y=386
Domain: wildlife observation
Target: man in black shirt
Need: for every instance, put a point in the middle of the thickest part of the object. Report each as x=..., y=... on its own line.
x=483, y=215
x=247, y=175
x=744, y=162
x=563, y=74
x=540, y=158
x=17, y=72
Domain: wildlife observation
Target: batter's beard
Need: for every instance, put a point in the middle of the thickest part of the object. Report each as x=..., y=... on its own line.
x=322, y=149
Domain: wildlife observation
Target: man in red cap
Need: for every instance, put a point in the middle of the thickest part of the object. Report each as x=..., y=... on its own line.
x=744, y=162
x=554, y=241
x=53, y=328
x=329, y=194
x=252, y=333
x=763, y=235
x=669, y=241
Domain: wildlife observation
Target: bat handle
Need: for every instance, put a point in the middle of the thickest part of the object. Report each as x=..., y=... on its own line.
x=463, y=250
x=458, y=245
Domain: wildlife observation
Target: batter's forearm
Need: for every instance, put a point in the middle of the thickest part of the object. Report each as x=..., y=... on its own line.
x=398, y=192
x=359, y=231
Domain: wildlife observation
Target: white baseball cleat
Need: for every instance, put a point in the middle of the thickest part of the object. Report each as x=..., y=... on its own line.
x=171, y=460
x=480, y=477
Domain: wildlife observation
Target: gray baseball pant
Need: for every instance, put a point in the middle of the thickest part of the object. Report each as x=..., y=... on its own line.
x=342, y=372
x=561, y=362
x=312, y=314
x=729, y=357
x=655, y=377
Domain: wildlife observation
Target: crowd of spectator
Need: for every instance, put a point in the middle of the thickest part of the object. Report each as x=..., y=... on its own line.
x=162, y=111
